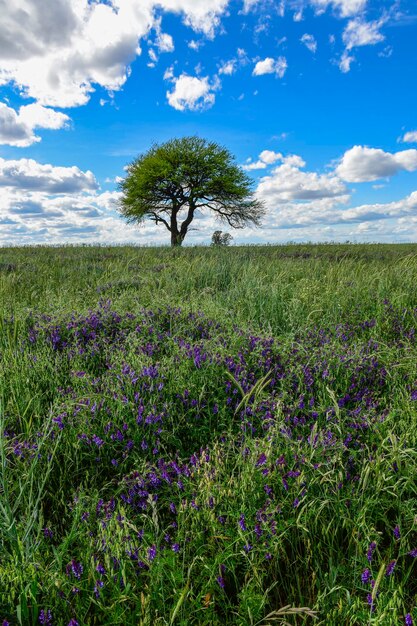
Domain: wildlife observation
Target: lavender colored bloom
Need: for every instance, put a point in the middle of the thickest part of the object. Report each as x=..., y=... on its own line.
x=370, y=552
x=371, y=602
x=75, y=568
x=101, y=569
x=408, y=620
x=5, y=623
x=73, y=622
x=390, y=568
x=99, y=585
x=366, y=576
x=99, y=442
x=247, y=548
x=175, y=547
x=261, y=460
x=47, y=533
x=414, y=394
x=45, y=617
x=152, y=553
x=220, y=581
x=397, y=532
x=413, y=553
x=242, y=522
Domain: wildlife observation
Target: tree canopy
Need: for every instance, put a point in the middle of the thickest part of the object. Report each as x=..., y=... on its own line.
x=174, y=180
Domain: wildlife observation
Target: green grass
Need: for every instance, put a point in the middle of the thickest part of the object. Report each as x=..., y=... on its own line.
x=106, y=388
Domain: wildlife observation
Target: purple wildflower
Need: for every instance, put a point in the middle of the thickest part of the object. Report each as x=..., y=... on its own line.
x=397, y=532
x=175, y=547
x=261, y=460
x=408, y=620
x=366, y=576
x=413, y=553
x=242, y=522
x=99, y=584
x=73, y=622
x=152, y=553
x=74, y=568
x=390, y=568
x=414, y=394
x=370, y=552
x=247, y=548
x=45, y=617
x=47, y=533
x=371, y=602
x=220, y=581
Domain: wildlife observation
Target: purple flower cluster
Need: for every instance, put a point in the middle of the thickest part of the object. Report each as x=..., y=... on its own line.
x=144, y=438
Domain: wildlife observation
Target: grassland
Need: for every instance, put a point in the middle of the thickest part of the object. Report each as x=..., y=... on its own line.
x=206, y=436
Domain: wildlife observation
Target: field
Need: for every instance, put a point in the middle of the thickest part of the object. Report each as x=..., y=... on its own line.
x=207, y=436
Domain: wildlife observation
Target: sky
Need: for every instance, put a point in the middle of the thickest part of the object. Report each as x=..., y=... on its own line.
x=316, y=100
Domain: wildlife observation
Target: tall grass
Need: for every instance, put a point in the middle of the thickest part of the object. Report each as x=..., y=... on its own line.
x=208, y=436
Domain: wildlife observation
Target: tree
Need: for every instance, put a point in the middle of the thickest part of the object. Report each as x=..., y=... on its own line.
x=221, y=239
x=172, y=181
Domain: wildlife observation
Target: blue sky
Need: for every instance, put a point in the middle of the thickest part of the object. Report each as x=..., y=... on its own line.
x=317, y=99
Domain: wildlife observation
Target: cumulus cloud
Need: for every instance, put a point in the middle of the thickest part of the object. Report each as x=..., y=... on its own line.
x=329, y=215
x=345, y=8
x=289, y=183
x=266, y=157
x=16, y=128
x=358, y=33
x=363, y=164
x=310, y=42
x=271, y=66
x=57, y=50
x=29, y=175
x=410, y=137
x=228, y=68
x=345, y=62
x=192, y=93
x=248, y=5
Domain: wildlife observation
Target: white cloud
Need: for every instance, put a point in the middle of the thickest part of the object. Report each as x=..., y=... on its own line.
x=27, y=174
x=269, y=156
x=346, y=8
x=228, y=68
x=248, y=5
x=358, y=33
x=271, y=66
x=288, y=183
x=55, y=51
x=345, y=62
x=362, y=164
x=254, y=165
x=410, y=137
x=310, y=42
x=16, y=129
x=192, y=93
x=266, y=157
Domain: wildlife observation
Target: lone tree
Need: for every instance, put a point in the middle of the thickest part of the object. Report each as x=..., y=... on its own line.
x=219, y=238
x=172, y=181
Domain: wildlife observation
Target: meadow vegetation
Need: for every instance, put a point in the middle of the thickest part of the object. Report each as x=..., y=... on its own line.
x=205, y=436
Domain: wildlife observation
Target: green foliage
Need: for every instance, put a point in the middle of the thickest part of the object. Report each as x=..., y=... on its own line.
x=171, y=181
x=342, y=314
x=221, y=239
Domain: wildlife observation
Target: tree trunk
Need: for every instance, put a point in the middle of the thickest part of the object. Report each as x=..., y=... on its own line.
x=176, y=238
